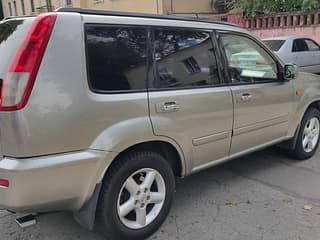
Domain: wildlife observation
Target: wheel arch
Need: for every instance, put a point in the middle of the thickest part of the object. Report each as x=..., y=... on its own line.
x=169, y=151
x=291, y=144
x=315, y=104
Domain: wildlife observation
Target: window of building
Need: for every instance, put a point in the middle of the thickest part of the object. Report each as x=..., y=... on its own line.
x=32, y=6
x=97, y=1
x=247, y=61
x=184, y=59
x=117, y=57
x=10, y=8
x=23, y=8
x=15, y=8
x=68, y=2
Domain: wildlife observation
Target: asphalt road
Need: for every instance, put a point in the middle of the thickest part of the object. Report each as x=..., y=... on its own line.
x=260, y=196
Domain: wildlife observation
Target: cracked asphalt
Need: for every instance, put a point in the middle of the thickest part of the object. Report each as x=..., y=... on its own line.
x=259, y=196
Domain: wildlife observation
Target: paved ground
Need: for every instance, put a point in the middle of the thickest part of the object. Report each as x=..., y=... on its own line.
x=261, y=196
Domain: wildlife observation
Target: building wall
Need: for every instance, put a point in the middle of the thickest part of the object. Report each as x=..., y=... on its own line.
x=19, y=11
x=312, y=32
x=283, y=24
x=188, y=7
x=144, y=6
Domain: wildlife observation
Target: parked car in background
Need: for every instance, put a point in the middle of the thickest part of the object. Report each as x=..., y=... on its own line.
x=302, y=51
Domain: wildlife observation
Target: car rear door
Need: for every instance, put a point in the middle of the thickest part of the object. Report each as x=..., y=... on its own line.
x=188, y=101
x=262, y=101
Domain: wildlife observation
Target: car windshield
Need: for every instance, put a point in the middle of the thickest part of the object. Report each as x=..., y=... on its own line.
x=11, y=34
x=274, y=45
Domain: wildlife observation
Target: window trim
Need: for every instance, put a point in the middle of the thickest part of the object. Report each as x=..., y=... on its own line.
x=146, y=28
x=305, y=39
x=151, y=67
x=156, y=76
x=261, y=45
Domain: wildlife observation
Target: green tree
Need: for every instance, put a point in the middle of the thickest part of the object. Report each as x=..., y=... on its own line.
x=309, y=5
x=253, y=7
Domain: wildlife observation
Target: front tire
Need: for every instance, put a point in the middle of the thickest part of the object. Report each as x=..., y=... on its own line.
x=308, y=136
x=136, y=196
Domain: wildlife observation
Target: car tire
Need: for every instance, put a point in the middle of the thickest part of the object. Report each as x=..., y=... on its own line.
x=150, y=200
x=308, y=135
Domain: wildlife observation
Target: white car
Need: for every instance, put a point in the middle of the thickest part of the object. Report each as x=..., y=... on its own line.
x=302, y=51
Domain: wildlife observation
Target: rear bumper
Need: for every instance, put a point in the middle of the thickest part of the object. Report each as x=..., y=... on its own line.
x=51, y=183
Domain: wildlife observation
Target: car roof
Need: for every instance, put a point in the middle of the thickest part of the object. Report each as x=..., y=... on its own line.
x=147, y=15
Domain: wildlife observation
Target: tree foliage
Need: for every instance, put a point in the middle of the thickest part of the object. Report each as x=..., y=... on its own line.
x=254, y=7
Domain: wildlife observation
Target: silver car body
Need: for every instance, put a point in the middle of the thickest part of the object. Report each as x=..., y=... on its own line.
x=307, y=61
x=59, y=147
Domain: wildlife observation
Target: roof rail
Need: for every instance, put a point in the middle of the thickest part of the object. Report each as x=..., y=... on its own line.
x=142, y=15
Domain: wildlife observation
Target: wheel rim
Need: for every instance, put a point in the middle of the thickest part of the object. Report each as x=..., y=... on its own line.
x=310, y=135
x=141, y=198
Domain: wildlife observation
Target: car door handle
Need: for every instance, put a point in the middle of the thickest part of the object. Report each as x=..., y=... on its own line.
x=245, y=97
x=172, y=106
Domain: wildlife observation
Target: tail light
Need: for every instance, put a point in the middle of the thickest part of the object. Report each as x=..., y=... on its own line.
x=4, y=183
x=21, y=74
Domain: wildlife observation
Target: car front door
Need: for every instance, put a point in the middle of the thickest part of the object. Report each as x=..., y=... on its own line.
x=262, y=102
x=187, y=100
x=314, y=53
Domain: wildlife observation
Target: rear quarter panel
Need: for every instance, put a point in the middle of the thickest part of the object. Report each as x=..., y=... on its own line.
x=62, y=114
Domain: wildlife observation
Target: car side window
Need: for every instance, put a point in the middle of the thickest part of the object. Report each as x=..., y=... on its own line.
x=312, y=45
x=247, y=61
x=299, y=45
x=184, y=59
x=116, y=57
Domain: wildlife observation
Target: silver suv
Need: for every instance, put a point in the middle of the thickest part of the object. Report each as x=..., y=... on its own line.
x=101, y=111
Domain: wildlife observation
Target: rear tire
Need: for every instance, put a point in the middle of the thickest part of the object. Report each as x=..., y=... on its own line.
x=308, y=136
x=136, y=196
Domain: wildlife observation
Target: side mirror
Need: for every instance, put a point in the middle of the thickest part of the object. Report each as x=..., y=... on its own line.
x=290, y=72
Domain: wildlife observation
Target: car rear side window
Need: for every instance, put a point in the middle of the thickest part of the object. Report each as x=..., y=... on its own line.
x=184, y=59
x=116, y=58
x=12, y=33
x=274, y=45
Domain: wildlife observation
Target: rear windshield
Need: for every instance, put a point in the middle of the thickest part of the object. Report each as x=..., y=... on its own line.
x=274, y=45
x=11, y=34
